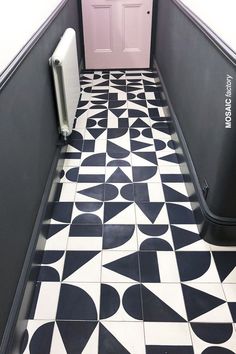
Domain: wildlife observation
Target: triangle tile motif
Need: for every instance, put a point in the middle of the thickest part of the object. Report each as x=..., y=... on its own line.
x=119, y=212
x=199, y=302
x=68, y=331
x=118, y=176
x=125, y=270
x=126, y=266
x=82, y=266
x=156, y=310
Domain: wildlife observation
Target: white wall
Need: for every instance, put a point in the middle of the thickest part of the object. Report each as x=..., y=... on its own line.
x=19, y=20
x=219, y=15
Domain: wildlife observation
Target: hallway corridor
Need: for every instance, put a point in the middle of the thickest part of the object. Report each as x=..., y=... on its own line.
x=125, y=270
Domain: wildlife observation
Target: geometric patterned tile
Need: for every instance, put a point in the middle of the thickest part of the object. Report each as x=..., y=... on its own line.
x=120, y=266
x=52, y=266
x=79, y=302
x=151, y=213
x=82, y=266
x=69, y=174
x=85, y=238
x=146, y=174
x=125, y=269
x=38, y=337
x=160, y=306
x=230, y=294
x=213, y=337
x=57, y=237
x=119, y=213
x=202, y=270
x=148, y=192
x=153, y=267
x=119, y=237
x=66, y=339
x=65, y=192
x=206, y=303
x=187, y=238
x=226, y=266
x=119, y=175
x=88, y=213
x=180, y=213
x=120, y=302
x=155, y=238
x=122, y=337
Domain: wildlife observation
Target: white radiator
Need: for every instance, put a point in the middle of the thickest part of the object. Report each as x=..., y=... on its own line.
x=65, y=69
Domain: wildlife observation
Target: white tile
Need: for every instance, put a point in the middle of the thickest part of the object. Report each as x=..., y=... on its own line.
x=164, y=111
x=47, y=301
x=68, y=192
x=84, y=243
x=71, y=163
x=81, y=121
x=170, y=273
x=100, y=146
x=230, y=292
x=166, y=333
x=169, y=170
x=157, y=134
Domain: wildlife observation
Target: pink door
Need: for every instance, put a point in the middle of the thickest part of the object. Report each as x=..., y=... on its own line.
x=117, y=33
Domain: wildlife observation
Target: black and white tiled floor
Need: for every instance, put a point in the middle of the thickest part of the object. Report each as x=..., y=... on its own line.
x=124, y=269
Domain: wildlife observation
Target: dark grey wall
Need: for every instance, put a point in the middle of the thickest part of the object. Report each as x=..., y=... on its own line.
x=194, y=71
x=28, y=144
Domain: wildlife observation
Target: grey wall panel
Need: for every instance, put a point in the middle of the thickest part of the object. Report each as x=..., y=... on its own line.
x=195, y=72
x=28, y=144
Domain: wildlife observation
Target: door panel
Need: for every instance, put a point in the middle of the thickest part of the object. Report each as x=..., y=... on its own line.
x=117, y=33
x=101, y=36
x=131, y=32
